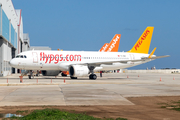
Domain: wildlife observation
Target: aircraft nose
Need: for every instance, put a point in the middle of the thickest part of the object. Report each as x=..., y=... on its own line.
x=12, y=63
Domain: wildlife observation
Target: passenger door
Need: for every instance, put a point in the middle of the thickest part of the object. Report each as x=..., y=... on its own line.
x=35, y=57
x=132, y=57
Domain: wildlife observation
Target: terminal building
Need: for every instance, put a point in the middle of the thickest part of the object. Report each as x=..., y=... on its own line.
x=12, y=38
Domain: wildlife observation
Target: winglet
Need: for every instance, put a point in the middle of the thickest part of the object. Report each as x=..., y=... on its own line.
x=150, y=55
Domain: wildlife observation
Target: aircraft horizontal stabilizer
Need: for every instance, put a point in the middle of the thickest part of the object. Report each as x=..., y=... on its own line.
x=157, y=57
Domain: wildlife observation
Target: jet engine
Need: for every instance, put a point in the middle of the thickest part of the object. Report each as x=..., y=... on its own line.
x=78, y=70
x=50, y=72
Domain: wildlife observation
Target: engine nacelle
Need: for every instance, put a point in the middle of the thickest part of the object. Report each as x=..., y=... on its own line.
x=50, y=72
x=78, y=70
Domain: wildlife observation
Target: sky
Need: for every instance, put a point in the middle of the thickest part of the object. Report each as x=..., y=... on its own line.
x=85, y=25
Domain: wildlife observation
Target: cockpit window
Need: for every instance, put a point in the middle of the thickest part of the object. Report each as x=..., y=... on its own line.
x=17, y=56
x=21, y=56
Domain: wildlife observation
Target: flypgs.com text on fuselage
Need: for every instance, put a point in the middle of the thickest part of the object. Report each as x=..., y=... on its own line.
x=48, y=58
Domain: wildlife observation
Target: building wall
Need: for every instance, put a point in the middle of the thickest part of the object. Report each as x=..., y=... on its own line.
x=5, y=26
x=26, y=44
x=11, y=35
x=6, y=58
x=20, y=31
x=7, y=30
x=8, y=8
x=1, y=57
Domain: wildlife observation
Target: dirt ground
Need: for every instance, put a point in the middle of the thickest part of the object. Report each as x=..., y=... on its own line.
x=145, y=108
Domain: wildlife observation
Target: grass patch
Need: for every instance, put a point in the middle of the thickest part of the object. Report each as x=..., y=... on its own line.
x=177, y=109
x=55, y=114
x=178, y=102
x=163, y=106
x=173, y=105
x=121, y=119
x=22, y=111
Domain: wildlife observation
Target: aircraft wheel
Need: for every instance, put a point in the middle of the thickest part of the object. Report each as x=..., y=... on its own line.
x=73, y=77
x=92, y=76
x=63, y=75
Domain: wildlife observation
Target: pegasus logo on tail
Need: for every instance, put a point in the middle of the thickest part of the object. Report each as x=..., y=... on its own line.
x=143, y=43
x=143, y=37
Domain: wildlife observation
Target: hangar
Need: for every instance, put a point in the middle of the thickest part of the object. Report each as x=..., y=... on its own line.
x=11, y=36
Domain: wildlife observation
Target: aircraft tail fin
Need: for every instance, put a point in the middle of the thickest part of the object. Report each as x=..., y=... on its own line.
x=143, y=43
x=114, y=44
x=104, y=47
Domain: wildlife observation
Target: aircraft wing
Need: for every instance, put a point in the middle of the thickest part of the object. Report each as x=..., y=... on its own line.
x=122, y=61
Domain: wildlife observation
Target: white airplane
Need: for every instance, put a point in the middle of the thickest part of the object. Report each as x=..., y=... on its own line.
x=83, y=63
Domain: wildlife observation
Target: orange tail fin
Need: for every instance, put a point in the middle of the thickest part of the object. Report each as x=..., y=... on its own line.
x=114, y=44
x=104, y=47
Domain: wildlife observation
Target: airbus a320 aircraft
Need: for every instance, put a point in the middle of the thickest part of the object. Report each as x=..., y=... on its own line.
x=83, y=63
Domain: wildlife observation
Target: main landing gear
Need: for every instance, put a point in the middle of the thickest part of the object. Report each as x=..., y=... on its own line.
x=63, y=75
x=92, y=76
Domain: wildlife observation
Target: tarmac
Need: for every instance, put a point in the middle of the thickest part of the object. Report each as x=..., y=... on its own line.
x=111, y=89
